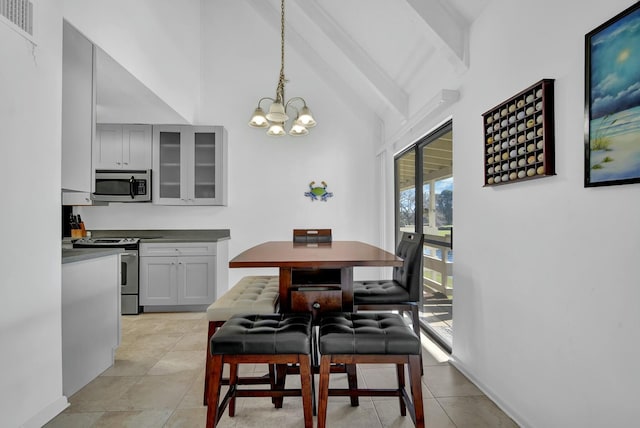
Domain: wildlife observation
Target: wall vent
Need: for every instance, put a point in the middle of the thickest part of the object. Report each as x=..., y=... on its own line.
x=18, y=12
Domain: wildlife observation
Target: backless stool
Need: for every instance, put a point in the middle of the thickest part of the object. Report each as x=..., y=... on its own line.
x=370, y=338
x=274, y=339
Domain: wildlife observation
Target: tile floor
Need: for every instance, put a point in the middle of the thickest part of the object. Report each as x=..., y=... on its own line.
x=157, y=381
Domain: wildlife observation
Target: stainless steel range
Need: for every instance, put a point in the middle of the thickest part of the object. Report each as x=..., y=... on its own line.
x=129, y=282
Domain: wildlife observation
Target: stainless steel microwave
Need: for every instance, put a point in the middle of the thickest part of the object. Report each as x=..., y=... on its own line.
x=116, y=185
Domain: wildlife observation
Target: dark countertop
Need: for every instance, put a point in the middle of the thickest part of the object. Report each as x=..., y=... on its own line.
x=167, y=235
x=82, y=254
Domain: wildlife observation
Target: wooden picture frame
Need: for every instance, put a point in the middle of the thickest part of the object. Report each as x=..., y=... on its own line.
x=519, y=136
x=612, y=101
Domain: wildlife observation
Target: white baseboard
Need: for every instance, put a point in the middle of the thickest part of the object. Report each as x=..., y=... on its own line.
x=490, y=394
x=46, y=414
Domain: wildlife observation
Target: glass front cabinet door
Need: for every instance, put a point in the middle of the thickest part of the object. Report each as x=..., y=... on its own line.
x=189, y=165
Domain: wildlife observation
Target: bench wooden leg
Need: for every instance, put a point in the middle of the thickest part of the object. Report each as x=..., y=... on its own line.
x=214, y=374
x=323, y=396
x=272, y=380
x=213, y=326
x=415, y=374
x=281, y=377
x=305, y=383
x=415, y=319
x=401, y=383
x=233, y=383
x=352, y=379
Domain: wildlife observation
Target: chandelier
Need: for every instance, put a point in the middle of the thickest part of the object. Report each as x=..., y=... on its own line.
x=278, y=116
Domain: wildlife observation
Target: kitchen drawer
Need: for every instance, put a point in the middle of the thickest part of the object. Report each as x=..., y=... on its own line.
x=316, y=299
x=178, y=249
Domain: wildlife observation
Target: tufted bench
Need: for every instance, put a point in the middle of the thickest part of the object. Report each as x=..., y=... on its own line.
x=278, y=339
x=252, y=294
x=370, y=338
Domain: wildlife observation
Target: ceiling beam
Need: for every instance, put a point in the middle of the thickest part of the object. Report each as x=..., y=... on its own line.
x=420, y=122
x=392, y=94
x=448, y=26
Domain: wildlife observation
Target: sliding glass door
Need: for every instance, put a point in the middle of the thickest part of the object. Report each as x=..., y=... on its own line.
x=428, y=167
x=405, y=177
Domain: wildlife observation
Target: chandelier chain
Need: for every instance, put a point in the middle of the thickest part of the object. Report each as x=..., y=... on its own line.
x=281, y=80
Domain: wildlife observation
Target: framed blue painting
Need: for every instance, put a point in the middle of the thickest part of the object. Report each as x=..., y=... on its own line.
x=612, y=101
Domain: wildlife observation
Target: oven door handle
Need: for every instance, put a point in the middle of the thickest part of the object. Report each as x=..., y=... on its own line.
x=123, y=273
x=123, y=268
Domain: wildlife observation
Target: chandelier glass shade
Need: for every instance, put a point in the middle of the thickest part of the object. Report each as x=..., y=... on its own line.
x=277, y=118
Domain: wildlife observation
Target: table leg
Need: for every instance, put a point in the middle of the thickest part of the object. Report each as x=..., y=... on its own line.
x=285, y=285
x=346, y=284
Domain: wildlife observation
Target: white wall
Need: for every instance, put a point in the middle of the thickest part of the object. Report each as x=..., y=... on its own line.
x=268, y=176
x=30, y=127
x=546, y=271
x=156, y=41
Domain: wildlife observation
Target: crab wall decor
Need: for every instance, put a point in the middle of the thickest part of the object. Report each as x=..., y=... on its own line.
x=316, y=192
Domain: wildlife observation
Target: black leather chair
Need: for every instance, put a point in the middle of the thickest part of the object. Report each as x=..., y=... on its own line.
x=402, y=291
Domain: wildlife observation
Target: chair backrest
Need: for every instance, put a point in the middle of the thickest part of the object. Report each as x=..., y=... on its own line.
x=409, y=275
x=311, y=236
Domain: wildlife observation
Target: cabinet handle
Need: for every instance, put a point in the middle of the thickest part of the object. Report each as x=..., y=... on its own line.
x=316, y=305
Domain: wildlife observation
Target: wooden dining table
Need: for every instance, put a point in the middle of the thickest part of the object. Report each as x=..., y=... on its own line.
x=337, y=256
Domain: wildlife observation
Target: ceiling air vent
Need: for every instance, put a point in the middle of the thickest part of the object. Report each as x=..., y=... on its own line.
x=19, y=13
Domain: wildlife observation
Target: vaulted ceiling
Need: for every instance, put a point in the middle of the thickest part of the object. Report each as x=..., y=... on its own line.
x=395, y=56
x=400, y=58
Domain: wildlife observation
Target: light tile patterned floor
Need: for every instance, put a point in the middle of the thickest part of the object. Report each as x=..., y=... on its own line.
x=157, y=381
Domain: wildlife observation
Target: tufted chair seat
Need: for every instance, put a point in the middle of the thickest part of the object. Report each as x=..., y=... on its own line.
x=264, y=334
x=366, y=333
x=273, y=339
x=382, y=291
x=370, y=338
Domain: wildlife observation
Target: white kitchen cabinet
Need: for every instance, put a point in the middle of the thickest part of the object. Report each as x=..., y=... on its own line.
x=78, y=113
x=189, y=165
x=122, y=146
x=177, y=274
x=158, y=281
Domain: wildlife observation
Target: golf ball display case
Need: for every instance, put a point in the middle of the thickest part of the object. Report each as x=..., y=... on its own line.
x=519, y=136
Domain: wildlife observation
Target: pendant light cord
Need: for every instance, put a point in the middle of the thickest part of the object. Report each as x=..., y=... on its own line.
x=281, y=80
